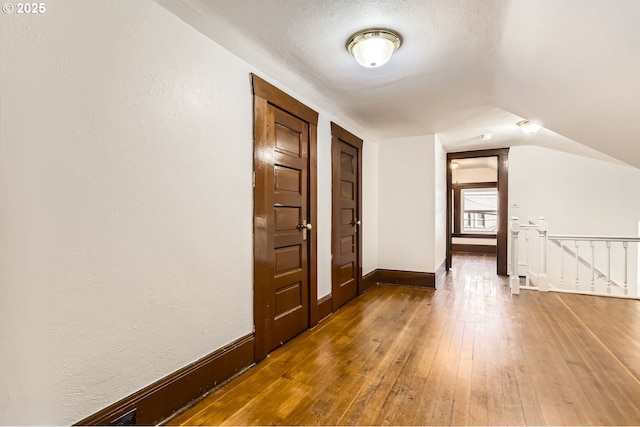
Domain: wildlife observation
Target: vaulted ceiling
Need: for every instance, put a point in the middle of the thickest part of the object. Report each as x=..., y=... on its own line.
x=465, y=67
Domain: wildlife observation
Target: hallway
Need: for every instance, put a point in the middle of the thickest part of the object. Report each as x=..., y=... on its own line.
x=466, y=354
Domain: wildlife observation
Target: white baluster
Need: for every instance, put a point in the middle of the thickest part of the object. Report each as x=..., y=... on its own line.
x=577, y=285
x=514, y=279
x=543, y=280
x=608, y=267
x=527, y=277
x=593, y=263
x=625, y=245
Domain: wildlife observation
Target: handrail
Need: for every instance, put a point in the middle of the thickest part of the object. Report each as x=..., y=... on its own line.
x=564, y=241
x=593, y=238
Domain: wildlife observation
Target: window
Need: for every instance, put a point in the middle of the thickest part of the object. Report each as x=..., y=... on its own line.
x=479, y=210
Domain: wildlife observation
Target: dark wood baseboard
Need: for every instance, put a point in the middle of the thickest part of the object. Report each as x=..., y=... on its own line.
x=368, y=281
x=481, y=249
x=440, y=273
x=324, y=307
x=165, y=397
x=408, y=278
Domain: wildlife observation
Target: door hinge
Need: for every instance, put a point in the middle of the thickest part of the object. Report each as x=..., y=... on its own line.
x=254, y=179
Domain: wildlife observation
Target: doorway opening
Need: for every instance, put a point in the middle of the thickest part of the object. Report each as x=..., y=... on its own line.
x=477, y=204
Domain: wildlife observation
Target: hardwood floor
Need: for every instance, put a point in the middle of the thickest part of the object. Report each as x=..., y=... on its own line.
x=466, y=354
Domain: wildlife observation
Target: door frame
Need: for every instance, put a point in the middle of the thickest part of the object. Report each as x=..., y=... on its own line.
x=502, y=236
x=340, y=134
x=265, y=93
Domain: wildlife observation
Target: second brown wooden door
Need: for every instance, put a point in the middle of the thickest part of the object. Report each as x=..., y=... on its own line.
x=347, y=222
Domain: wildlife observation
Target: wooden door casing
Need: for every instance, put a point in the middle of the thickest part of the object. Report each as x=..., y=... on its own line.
x=503, y=203
x=346, y=268
x=285, y=186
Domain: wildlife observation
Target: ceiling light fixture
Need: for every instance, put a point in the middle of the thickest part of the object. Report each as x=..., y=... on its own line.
x=454, y=165
x=486, y=136
x=373, y=48
x=529, y=127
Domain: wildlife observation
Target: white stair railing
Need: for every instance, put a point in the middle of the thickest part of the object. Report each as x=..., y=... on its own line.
x=595, y=272
x=596, y=247
x=566, y=249
x=542, y=279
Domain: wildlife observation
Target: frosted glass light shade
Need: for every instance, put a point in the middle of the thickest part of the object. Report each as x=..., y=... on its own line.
x=529, y=127
x=373, y=48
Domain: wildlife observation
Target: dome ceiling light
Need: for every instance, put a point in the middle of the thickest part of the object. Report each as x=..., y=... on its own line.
x=529, y=127
x=373, y=48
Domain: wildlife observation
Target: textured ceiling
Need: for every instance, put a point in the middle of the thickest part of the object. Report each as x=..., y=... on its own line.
x=465, y=67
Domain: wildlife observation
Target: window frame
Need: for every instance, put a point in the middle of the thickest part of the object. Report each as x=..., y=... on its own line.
x=458, y=229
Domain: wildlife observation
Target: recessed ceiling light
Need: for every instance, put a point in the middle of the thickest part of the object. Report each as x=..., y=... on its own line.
x=529, y=127
x=373, y=48
x=486, y=136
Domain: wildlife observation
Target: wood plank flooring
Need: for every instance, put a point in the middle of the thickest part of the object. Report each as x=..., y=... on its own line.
x=466, y=354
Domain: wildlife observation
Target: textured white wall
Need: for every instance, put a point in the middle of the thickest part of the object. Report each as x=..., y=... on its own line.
x=440, y=207
x=126, y=222
x=370, y=206
x=324, y=206
x=577, y=195
x=127, y=199
x=406, y=204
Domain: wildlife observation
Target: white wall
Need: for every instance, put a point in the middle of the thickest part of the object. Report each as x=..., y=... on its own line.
x=577, y=195
x=473, y=241
x=466, y=175
x=406, y=204
x=324, y=206
x=370, y=206
x=411, y=204
x=126, y=222
x=440, y=208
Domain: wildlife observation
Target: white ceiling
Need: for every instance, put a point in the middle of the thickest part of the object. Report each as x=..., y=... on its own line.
x=465, y=67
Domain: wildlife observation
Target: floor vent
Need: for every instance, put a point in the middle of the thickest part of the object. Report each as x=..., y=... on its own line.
x=128, y=419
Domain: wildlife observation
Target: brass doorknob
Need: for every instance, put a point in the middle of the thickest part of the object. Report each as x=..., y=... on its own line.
x=305, y=227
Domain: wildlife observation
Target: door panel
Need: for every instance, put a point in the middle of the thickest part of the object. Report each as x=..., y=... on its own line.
x=290, y=292
x=346, y=270
x=285, y=197
x=284, y=277
x=348, y=281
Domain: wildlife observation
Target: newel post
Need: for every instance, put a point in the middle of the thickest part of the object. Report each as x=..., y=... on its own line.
x=543, y=279
x=514, y=279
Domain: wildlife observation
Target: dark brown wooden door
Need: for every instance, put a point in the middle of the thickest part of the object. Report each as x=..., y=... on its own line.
x=285, y=272
x=285, y=199
x=346, y=268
